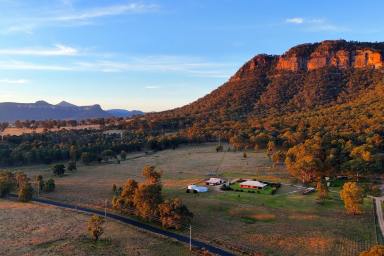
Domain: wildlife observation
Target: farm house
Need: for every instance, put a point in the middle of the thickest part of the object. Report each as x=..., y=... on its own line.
x=253, y=184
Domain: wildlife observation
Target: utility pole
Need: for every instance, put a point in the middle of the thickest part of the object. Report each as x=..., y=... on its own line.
x=190, y=237
x=105, y=208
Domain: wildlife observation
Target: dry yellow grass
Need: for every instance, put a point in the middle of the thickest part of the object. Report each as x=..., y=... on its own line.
x=301, y=216
x=20, y=131
x=33, y=229
x=310, y=244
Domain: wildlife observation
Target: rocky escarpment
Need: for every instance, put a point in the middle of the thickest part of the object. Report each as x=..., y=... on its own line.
x=307, y=57
x=338, y=54
x=307, y=76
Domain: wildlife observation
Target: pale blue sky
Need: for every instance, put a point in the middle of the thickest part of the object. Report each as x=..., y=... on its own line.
x=160, y=54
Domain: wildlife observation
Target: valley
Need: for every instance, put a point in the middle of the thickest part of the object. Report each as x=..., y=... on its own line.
x=259, y=223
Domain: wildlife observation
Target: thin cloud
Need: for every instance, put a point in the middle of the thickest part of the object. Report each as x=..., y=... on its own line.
x=107, y=11
x=316, y=24
x=152, y=87
x=296, y=20
x=152, y=64
x=58, y=50
x=63, y=17
x=14, y=81
x=21, y=65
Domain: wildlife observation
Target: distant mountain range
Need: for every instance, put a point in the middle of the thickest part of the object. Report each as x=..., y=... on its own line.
x=124, y=112
x=42, y=110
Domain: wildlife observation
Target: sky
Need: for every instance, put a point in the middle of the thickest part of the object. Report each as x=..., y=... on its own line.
x=154, y=55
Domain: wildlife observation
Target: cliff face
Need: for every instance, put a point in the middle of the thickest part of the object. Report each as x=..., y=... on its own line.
x=307, y=57
x=260, y=63
x=338, y=54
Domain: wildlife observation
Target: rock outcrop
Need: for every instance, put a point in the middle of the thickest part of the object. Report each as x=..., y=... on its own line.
x=338, y=54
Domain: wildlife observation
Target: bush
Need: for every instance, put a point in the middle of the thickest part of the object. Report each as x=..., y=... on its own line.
x=58, y=170
x=95, y=227
x=71, y=166
x=173, y=214
x=7, y=183
x=49, y=185
x=25, y=192
x=86, y=158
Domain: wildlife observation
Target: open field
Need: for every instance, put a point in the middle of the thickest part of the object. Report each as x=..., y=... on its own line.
x=286, y=223
x=13, y=131
x=33, y=229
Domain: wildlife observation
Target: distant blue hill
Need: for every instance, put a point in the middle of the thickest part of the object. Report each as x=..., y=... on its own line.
x=42, y=110
x=124, y=113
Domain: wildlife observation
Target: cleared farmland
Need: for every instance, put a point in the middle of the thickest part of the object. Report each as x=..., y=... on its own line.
x=286, y=223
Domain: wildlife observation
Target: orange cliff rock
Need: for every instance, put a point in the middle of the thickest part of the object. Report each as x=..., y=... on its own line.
x=307, y=57
x=257, y=63
x=331, y=54
x=368, y=58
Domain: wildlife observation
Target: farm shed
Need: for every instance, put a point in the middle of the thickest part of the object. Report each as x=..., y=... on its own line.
x=197, y=189
x=214, y=181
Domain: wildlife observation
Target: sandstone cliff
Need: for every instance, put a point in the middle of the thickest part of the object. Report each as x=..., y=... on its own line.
x=307, y=57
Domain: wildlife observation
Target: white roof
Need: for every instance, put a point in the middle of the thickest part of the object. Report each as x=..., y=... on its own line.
x=214, y=180
x=253, y=183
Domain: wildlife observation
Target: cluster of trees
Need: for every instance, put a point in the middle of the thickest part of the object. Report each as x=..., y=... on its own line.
x=19, y=182
x=86, y=145
x=146, y=201
x=49, y=124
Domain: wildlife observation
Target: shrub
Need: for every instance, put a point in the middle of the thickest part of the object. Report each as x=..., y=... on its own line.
x=7, y=183
x=25, y=192
x=58, y=169
x=95, y=227
x=71, y=166
x=173, y=214
x=49, y=185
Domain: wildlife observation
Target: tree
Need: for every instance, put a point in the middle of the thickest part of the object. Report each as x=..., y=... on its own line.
x=95, y=227
x=278, y=157
x=123, y=155
x=71, y=166
x=128, y=193
x=271, y=148
x=173, y=214
x=49, y=185
x=86, y=158
x=21, y=178
x=353, y=198
x=309, y=161
x=25, y=192
x=73, y=153
x=7, y=183
x=39, y=181
x=377, y=250
x=151, y=176
x=107, y=154
x=147, y=199
x=58, y=169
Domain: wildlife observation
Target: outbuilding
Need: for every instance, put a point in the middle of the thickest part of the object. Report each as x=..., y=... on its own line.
x=252, y=184
x=196, y=189
x=214, y=181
